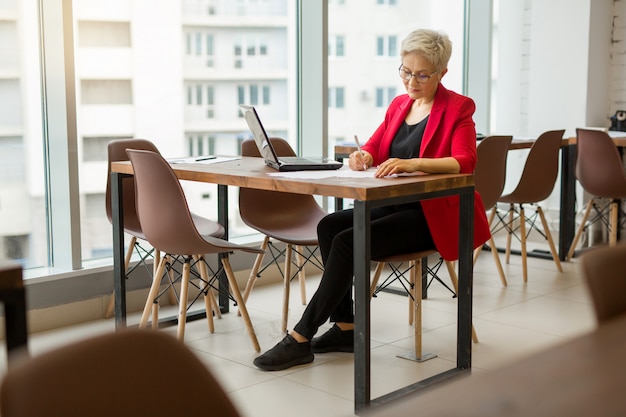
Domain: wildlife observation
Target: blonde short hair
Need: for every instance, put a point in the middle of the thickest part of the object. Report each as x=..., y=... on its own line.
x=434, y=46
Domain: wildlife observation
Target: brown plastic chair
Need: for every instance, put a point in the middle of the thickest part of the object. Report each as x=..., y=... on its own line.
x=115, y=374
x=414, y=290
x=535, y=185
x=603, y=269
x=286, y=217
x=489, y=180
x=117, y=152
x=169, y=227
x=600, y=171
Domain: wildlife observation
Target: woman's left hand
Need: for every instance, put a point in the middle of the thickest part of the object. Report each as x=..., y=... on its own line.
x=396, y=166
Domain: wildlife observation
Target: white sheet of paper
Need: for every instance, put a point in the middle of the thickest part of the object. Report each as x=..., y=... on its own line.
x=343, y=172
x=202, y=159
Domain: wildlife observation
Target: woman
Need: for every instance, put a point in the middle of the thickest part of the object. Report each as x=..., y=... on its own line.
x=428, y=129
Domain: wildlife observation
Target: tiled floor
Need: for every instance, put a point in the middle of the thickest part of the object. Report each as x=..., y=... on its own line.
x=511, y=322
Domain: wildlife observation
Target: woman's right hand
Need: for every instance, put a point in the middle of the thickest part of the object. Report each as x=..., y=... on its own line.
x=356, y=162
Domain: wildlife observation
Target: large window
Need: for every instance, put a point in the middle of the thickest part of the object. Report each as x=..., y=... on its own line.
x=23, y=226
x=174, y=73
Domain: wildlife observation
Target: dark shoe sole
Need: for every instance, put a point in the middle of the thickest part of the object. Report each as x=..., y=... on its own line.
x=299, y=361
x=327, y=349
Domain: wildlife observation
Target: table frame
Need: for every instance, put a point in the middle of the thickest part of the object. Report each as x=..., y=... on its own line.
x=367, y=194
x=13, y=296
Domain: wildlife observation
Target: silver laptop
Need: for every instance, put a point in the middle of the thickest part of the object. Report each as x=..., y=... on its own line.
x=281, y=163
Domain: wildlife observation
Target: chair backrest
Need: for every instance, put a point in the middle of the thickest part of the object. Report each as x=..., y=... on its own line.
x=116, y=151
x=119, y=374
x=603, y=269
x=163, y=211
x=490, y=171
x=268, y=211
x=281, y=146
x=599, y=167
x=540, y=169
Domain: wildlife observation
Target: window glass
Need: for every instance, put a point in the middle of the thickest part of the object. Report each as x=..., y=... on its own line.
x=23, y=229
x=173, y=73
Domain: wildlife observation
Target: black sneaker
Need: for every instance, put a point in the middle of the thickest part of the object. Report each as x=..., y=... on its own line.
x=334, y=340
x=287, y=353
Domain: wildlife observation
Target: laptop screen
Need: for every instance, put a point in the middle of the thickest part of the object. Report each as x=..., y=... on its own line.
x=258, y=132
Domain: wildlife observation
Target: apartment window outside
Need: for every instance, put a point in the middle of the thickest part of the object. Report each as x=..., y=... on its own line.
x=209, y=50
x=336, y=97
x=201, y=144
x=387, y=46
x=266, y=95
x=384, y=95
x=336, y=46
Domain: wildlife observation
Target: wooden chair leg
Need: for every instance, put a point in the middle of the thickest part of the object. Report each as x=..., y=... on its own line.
x=154, y=290
x=208, y=299
x=301, y=274
x=522, y=227
x=555, y=254
x=108, y=312
x=242, y=305
x=455, y=285
x=182, y=303
x=416, y=303
x=579, y=232
x=413, y=282
x=509, y=233
x=255, y=269
x=286, y=286
x=496, y=259
x=614, y=222
x=215, y=305
x=379, y=269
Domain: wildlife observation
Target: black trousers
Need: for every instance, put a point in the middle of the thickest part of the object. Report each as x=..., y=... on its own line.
x=394, y=230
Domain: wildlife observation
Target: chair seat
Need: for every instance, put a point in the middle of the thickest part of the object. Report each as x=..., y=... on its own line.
x=207, y=227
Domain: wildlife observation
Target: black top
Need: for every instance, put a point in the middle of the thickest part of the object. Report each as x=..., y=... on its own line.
x=408, y=140
x=406, y=144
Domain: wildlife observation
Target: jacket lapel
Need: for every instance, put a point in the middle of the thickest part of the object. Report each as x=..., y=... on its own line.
x=434, y=120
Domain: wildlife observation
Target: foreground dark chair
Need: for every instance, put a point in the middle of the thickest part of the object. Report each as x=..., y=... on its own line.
x=115, y=374
x=604, y=271
x=286, y=217
x=169, y=227
x=600, y=171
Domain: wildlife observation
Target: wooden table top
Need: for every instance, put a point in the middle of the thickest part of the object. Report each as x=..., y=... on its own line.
x=252, y=173
x=582, y=377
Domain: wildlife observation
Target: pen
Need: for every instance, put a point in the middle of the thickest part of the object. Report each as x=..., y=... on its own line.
x=205, y=158
x=358, y=147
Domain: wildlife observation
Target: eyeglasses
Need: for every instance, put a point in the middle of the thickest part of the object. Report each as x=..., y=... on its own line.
x=420, y=78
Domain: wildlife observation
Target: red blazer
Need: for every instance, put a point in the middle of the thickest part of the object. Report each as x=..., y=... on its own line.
x=449, y=131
